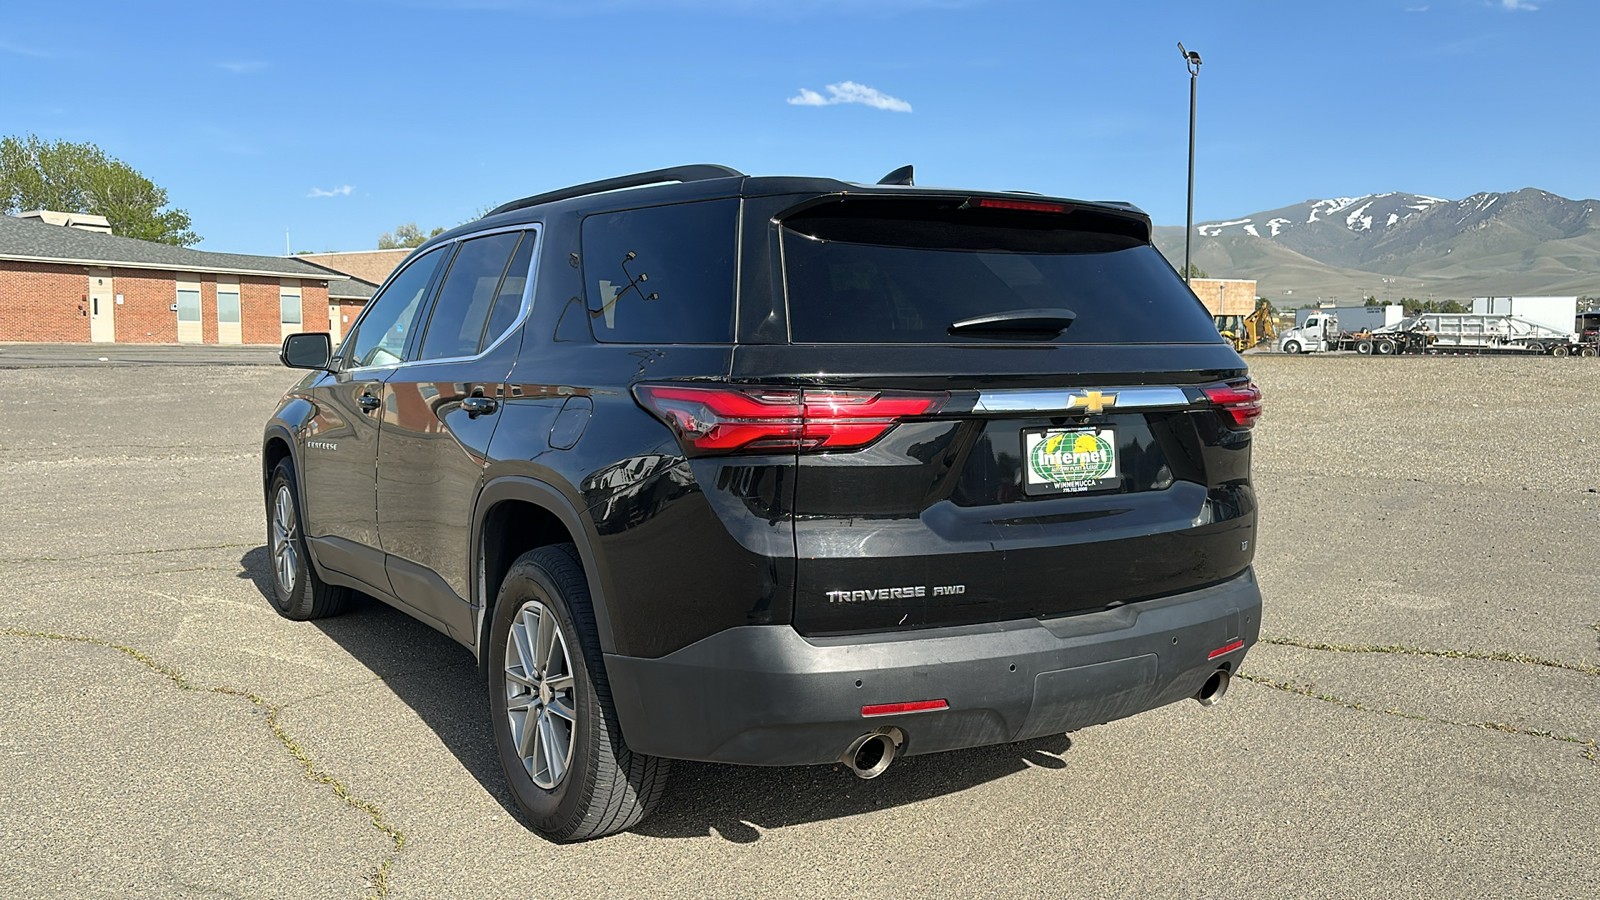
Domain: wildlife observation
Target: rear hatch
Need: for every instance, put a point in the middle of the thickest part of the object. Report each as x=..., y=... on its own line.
x=996, y=408
x=1086, y=442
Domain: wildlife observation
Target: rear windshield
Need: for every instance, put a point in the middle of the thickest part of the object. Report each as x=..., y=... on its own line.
x=904, y=275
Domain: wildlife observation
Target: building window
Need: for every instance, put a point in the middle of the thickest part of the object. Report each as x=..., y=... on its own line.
x=188, y=305
x=289, y=304
x=228, y=305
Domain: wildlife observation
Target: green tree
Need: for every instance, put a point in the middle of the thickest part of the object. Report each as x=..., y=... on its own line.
x=80, y=178
x=1416, y=307
x=1196, y=272
x=404, y=236
x=1371, y=301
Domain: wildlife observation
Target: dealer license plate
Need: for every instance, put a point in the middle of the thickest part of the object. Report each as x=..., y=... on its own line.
x=1069, y=460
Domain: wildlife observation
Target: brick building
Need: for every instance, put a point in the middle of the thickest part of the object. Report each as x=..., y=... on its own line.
x=346, y=297
x=366, y=269
x=371, y=266
x=1226, y=296
x=64, y=283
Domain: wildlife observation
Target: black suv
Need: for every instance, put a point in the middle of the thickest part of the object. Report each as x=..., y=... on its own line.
x=779, y=471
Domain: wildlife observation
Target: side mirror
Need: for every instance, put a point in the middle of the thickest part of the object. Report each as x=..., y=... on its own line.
x=307, y=350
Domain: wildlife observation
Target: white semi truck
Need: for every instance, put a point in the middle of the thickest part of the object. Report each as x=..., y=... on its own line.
x=1435, y=333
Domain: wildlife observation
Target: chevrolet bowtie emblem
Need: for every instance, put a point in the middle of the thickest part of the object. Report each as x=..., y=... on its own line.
x=1092, y=402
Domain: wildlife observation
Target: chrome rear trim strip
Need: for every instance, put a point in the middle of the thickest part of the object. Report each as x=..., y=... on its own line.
x=1080, y=399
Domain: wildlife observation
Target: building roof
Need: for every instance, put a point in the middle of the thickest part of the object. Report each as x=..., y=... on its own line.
x=34, y=241
x=351, y=289
x=371, y=266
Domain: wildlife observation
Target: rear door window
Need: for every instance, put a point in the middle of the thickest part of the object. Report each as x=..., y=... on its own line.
x=663, y=274
x=508, y=300
x=904, y=273
x=469, y=291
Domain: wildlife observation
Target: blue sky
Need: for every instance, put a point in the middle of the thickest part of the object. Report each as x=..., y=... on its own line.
x=341, y=119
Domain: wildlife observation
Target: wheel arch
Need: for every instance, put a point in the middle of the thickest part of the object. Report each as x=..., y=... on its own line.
x=543, y=515
x=276, y=446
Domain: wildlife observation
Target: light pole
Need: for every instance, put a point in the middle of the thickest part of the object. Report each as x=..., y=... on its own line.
x=1191, y=60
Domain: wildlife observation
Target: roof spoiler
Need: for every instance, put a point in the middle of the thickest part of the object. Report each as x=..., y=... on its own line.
x=640, y=179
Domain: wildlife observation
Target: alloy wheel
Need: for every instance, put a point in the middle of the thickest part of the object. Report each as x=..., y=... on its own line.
x=285, y=558
x=540, y=701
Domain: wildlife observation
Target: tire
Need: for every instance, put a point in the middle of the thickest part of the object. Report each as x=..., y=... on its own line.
x=594, y=785
x=1291, y=347
x=1588, y=352
x=1384, y=348
x=1558, y=350
x=1364, y=348
x=297, y=593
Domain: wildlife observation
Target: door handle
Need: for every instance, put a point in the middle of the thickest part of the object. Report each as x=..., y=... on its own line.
x=479, y=406
x=368, y=402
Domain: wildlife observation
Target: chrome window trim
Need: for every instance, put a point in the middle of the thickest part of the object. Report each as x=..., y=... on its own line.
x=1060, y=399
x=522, y=314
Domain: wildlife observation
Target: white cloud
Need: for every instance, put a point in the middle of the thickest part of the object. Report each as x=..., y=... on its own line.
x=1518, y=5
x=342, y=190
x=242, y=66
x=850, y=92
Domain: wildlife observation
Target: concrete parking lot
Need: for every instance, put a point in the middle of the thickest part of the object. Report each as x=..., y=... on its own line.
x=1420, y=722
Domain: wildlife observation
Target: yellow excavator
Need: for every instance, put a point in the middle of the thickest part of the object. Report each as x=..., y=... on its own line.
x=1244, y=332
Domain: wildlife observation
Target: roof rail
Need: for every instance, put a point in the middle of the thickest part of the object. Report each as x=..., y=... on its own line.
x=656, y=176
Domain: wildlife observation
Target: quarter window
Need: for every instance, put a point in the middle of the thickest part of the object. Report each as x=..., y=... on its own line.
x=662, y=274
x=456, y=327
x=380, y=337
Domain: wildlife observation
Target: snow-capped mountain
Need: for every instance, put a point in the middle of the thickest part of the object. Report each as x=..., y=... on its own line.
x=1527, y=241
x=1355, y=213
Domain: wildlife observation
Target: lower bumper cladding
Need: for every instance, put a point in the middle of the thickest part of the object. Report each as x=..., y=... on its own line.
x=765, y=695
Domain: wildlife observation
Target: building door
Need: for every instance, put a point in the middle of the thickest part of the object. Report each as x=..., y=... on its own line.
x=228, y=328
x=335, y=327
x=102, y=307
x=190, y=330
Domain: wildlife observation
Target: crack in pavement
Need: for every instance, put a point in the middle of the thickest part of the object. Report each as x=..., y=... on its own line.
x=1590, y=746
x=1590, y=751
x=120, y=576
x=153, y=552
x=378, y=877
x=1405, y=650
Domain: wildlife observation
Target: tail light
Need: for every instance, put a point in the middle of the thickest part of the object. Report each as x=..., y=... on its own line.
x=1239, y=402
x=723, y=419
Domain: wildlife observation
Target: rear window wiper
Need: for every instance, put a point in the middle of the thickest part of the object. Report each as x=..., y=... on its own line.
x=1017, y=323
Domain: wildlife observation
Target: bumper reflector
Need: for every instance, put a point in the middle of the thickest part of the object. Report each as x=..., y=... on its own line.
x=1225, y=649
x=895, y=709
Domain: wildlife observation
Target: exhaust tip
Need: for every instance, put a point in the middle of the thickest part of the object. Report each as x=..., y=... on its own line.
x=871, y=754
x=1214, y=689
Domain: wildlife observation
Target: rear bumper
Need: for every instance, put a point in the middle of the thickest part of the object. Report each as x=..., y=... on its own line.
x=764, y=695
